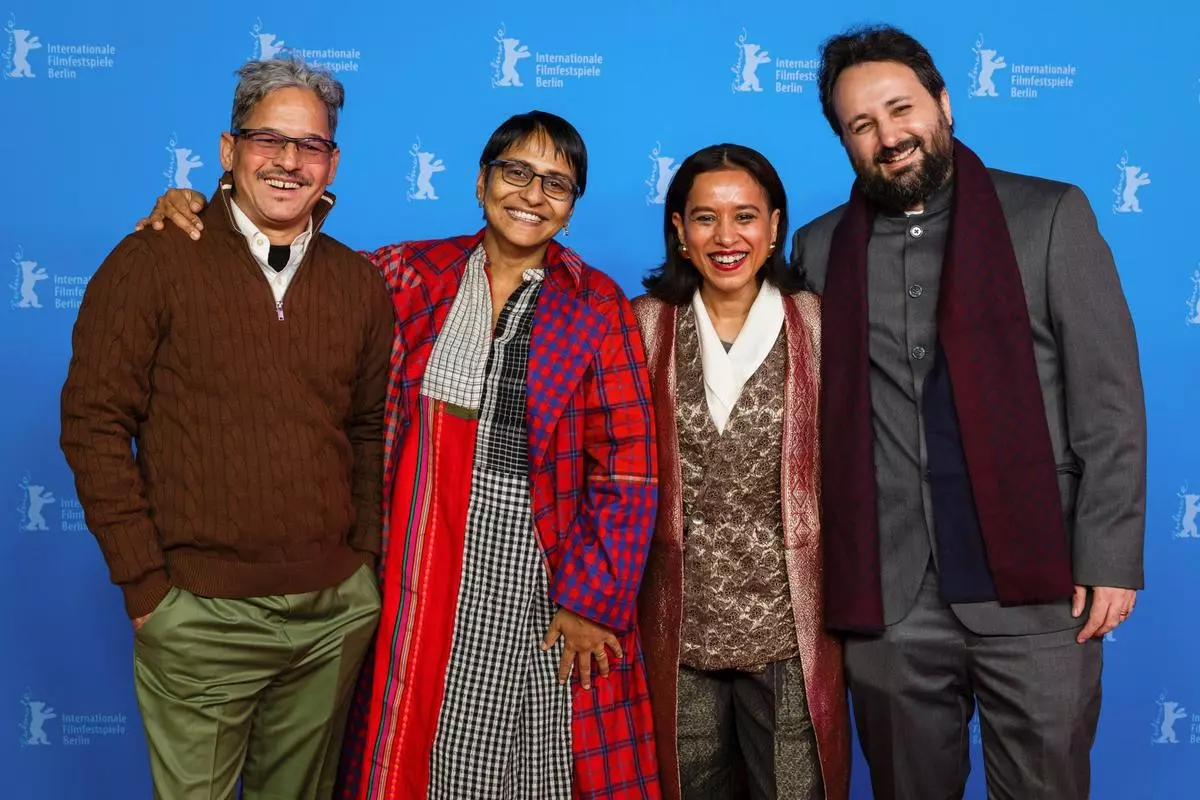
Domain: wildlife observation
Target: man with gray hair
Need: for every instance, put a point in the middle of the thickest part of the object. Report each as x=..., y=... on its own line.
x=244, y=530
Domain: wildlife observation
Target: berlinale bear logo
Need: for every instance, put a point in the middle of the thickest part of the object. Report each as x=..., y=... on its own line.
x=420, y=176
x=750, y=57
x=20, y=43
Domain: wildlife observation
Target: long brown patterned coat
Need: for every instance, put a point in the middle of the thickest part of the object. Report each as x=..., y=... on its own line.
x=660, y=604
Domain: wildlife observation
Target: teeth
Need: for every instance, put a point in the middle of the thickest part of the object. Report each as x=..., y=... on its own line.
x=901, y=156
x=729, y=259
x=525, y=216
x=278, y=184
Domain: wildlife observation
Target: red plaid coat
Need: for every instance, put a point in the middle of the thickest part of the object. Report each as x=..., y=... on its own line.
x=594, y=484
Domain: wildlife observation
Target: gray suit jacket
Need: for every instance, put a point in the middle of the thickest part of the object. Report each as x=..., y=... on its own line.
x=1088, y=365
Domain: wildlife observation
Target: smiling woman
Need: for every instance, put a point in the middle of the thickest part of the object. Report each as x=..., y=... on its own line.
x=531, y=172
x=522, y=415
x=746, y=685
x=522, y=387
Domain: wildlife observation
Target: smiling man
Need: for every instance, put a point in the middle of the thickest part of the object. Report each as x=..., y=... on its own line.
x=983, y=442
x=244, y=531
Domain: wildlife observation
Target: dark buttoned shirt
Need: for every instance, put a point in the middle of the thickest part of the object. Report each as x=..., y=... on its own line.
x=904, y=266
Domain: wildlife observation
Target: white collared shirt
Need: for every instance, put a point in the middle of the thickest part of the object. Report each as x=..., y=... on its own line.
x=260, y=246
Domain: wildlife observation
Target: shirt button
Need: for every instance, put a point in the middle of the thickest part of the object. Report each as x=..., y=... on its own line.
x=260, y=241
x=916, y=231
x=918, y=352
x=697, y=519
x=915, y=290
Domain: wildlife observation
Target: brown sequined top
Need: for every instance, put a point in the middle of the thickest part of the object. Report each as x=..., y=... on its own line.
x=737, y=608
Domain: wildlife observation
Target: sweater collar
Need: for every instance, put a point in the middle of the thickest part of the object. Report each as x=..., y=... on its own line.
x=223, y=196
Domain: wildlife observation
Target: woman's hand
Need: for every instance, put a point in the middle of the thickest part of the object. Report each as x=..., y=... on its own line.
x=582, y=639
x=180, y=206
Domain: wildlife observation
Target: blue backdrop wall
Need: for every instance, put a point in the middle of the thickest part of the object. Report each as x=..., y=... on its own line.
x=106, y=104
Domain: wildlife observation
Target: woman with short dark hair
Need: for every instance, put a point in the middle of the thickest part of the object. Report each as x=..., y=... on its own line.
x=521, y=493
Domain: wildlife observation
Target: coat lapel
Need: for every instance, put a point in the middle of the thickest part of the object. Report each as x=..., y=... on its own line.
x=566, y=335
x=422, y=292
x=800, y=481
x=660, y=601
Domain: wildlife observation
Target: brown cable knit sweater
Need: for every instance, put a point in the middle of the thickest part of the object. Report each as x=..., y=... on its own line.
x=259, y=439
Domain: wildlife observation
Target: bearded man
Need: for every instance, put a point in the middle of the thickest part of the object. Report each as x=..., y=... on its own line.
x=983, y=442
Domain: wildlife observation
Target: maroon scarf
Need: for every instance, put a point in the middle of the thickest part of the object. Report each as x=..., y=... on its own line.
x=986, y=339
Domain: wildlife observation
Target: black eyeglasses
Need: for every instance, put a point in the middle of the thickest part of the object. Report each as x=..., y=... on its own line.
x=518, y=173
x=312, y=149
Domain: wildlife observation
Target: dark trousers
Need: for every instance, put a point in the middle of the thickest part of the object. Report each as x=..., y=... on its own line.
x=747, y=735
x=915, y=688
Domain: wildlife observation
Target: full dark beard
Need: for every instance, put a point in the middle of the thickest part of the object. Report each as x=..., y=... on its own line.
x=913, y=186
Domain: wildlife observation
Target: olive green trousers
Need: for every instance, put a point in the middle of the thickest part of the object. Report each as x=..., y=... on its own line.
x=256, y=689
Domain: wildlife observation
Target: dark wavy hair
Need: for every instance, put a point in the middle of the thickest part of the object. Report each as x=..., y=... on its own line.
x=562, y=135
x=865, y=44
x=676, y=280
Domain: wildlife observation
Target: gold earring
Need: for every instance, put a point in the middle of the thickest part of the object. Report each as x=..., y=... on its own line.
x=772, y=245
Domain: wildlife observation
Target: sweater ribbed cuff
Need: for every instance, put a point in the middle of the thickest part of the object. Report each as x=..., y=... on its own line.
x=144, y=595
x=367, y=557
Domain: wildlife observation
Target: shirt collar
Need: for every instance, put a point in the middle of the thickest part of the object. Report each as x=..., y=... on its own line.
x=257, y=239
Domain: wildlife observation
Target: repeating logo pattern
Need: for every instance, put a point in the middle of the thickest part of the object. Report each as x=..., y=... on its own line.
x=1166, y=726
x=1130, y=178
x=663, y=169
x=268, y=45
x=420, y=177
x=33, y=721
x=790, y=75
x=1185, y=520
x=1027, y=81
x=21, y=42
x=70, y=729
x=551, y=70
x=33, y=286
x=25, y=284
x=1193, y=302
x=987, y=61
x=32, y=510
x=182, y=162
x=62, y=61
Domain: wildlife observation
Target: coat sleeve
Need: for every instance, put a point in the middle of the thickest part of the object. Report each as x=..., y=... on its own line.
x=1105, y=406
x=605, y=549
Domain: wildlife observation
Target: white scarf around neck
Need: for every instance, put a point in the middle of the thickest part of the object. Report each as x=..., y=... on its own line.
x=725, y=374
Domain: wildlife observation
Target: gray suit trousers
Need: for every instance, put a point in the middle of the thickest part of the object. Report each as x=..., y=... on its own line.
x=915, y=688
